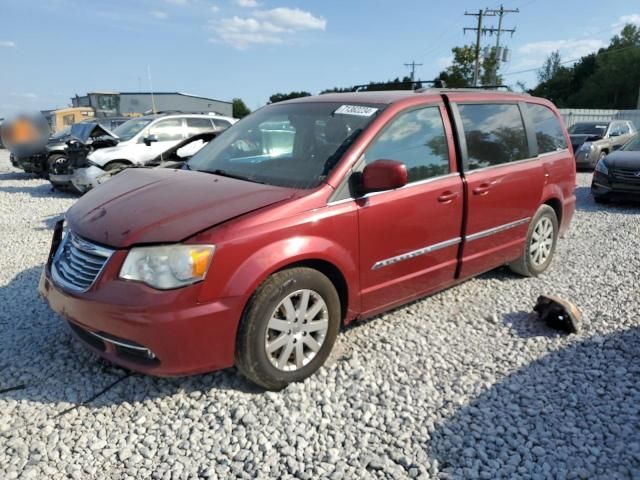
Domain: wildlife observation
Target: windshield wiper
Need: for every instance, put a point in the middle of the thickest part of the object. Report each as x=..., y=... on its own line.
x=224, y=173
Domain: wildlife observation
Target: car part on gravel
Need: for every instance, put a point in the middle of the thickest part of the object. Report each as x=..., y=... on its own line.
x=558, y=313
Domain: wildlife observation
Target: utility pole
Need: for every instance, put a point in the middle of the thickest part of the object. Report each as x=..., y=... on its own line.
x=500, y=13
x=413, y=66
x=478, y=30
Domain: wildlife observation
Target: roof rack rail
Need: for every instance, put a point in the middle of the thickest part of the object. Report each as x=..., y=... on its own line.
x=488, y=88
x=436, y=84
x=181, y=112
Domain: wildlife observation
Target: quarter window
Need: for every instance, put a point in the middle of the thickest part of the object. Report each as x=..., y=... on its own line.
x=549, y=134
x=417, y=139
x=494, y=134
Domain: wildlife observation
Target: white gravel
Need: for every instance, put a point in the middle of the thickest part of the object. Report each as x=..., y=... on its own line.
x=463, y=384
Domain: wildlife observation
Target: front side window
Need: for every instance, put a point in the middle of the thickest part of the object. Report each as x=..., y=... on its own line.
x=167, y=130
x=549, y=134
x=291, y=144
x=417, y=139
x=131, y=128
x=494, y=134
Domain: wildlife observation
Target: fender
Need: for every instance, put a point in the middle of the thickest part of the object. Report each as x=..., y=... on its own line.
x=269, y=259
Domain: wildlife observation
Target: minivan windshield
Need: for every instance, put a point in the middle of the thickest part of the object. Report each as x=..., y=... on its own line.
x=589, y=128
x=291, y=145
x=130, y=128
x=632, y=145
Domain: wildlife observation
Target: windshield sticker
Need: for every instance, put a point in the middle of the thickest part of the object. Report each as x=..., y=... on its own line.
x=358, y=110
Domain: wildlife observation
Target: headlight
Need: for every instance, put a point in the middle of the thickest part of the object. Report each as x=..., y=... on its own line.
x=602, y=167
x=586, y=146
x=168, y=266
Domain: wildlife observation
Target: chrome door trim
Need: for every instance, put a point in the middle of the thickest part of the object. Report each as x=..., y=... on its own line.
x=405, y=187
x=498, y=229
x=416, y=253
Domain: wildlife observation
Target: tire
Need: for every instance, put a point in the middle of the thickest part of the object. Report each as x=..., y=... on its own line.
x=600, y=199
x=533, y=262
x=115, y=166
x=266, y=321
x=53, y=160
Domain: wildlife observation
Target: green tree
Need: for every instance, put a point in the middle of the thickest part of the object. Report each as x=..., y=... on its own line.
x=280, y=97
x=607, y=79
x=551, y=66
x=489, y=69
x=240, y=110
x=460, y=73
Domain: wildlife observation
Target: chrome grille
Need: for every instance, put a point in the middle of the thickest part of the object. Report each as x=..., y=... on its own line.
x=631, y=175
x=78, y=263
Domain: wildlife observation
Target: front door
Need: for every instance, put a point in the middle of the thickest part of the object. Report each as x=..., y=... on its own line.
x=168, y=132
x=504, y=184
x=409, y=237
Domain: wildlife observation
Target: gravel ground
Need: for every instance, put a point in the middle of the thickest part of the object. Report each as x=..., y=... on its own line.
x=463, y=384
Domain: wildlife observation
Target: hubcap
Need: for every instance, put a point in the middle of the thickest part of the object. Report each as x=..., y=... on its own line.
x=296, y=330
x=541, y=241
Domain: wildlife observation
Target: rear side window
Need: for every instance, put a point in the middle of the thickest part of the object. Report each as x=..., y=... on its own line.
x=417, y=139
x=221, y=123
x=549, y=134
x=198, y=125
x=494, y=134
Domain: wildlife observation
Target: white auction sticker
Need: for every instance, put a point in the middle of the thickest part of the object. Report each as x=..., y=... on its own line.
x=358, y=110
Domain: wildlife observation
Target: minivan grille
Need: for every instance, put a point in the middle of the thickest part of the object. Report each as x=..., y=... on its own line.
x=78, y=263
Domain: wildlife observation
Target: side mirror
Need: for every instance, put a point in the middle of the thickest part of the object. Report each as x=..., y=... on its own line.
x=383, y=175
x=149, y=139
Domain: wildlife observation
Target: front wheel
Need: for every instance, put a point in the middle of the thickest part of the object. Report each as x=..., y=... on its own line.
x=540, y=244
x=288, y=329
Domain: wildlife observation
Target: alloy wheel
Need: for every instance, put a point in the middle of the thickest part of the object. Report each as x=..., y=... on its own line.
x=296, y=330
x=541, y=241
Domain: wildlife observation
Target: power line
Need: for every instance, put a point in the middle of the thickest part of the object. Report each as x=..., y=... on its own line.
x=413, y=66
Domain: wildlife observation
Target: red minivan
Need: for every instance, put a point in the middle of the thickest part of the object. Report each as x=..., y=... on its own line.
x=304, y=216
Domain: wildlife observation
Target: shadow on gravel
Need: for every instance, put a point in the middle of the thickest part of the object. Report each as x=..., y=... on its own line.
x=15, y=175
x=574, y=413
x=39, y=191
x=527, y=325
x=586, y=203
x=41, y=362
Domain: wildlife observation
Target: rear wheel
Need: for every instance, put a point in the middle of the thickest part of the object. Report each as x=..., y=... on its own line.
x=288, y=329
x=540, y=244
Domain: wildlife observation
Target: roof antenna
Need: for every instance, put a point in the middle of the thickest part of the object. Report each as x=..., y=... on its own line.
x=153, y=101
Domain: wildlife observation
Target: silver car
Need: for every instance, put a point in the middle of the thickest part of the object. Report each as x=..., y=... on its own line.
x=141, y=140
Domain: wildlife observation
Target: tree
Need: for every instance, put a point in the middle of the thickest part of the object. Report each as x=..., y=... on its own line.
x=240, y=110
x=607, y=79
x=551, y=66
x=628, y=37
x=280, y=97
x=460, y=72
x=395, y=84
x=489, y=71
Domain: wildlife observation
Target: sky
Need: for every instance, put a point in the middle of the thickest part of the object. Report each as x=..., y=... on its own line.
x=51, y=50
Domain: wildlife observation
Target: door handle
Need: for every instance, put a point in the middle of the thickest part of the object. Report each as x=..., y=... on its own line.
x=447, y=197
x=483, y=188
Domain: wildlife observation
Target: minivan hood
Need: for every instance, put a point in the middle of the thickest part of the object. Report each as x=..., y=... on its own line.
x=140, y=206
x=624, y=159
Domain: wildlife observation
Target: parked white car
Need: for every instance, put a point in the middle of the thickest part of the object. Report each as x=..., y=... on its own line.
x=142, y=139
